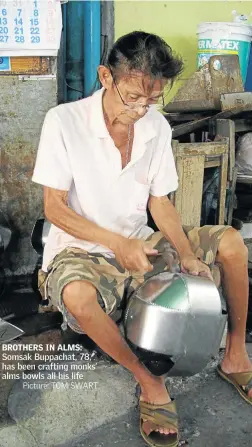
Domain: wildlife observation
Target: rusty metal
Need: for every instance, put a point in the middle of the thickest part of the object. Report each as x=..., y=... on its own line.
x=203, y=89
x=232, y=100
x=227, y=79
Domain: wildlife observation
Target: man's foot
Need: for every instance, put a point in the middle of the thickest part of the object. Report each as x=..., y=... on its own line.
x=237, y=364
x=155, y=392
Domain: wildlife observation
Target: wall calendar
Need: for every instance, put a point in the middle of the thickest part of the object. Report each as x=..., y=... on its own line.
x=30, y=27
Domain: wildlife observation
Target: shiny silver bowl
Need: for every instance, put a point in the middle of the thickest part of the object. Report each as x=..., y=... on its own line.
x=179, y=316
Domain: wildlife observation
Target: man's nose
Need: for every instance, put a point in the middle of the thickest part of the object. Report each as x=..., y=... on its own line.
x=141, y=110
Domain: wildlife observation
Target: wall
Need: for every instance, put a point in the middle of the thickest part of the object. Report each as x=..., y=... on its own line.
x=175, y=21
x=23, y=105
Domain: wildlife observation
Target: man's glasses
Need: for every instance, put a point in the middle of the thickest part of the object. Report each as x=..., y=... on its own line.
x=134, y=105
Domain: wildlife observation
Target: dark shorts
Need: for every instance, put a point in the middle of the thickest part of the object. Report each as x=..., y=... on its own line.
x=112, y=282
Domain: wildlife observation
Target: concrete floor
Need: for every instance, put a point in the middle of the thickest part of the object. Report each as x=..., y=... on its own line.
x=211, y=412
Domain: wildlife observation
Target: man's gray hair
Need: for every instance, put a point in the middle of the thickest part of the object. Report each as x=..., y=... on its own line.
x=144, y=52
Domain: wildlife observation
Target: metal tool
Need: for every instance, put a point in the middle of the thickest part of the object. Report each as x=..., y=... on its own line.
x=8, y=331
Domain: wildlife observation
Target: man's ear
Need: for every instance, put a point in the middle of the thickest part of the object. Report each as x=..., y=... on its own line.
x=105, y=76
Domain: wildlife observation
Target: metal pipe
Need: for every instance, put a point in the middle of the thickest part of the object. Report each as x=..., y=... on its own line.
x=64, y=19
x=92, y=44
x=74, y=49
x=248, y=85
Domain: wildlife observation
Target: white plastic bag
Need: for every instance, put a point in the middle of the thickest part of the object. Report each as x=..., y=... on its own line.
x=244, y=154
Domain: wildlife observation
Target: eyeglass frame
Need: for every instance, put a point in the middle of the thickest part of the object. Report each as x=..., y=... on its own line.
x=137, y=104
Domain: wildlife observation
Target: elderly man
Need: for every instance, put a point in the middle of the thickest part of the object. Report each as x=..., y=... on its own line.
x=102, y=160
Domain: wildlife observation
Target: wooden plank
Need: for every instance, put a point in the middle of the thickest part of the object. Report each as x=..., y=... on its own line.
x=29, y=65
x=182, y=117
x=182, y=129
x=213, y=149
x=232, y=197
x=226, y=128
x=231, y=149
x=188, y=197
x=222, y=188
x=175, y=144
x=213, y=163
x=191, y=160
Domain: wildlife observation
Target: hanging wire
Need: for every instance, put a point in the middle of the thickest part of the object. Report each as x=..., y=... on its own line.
x=72, y=88
x=102, y=62
x=97, y=81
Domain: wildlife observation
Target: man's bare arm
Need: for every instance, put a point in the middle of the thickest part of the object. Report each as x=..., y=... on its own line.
x=168, y=222
x=130, y=253
x=57, y=211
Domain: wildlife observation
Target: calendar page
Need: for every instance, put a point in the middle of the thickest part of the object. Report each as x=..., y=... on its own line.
x=30, y=27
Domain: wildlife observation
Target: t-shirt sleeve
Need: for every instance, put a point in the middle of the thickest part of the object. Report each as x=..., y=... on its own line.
x=165, y=180
x=52, y=167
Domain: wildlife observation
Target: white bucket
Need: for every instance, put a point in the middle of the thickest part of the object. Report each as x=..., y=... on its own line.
x=224, y=38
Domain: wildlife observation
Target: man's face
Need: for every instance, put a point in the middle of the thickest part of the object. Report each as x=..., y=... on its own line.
x=128, y=96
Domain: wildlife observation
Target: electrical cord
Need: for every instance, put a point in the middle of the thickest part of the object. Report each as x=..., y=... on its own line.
x=72, y=88
x=103, y=58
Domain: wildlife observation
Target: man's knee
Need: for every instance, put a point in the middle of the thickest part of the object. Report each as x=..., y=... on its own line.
x=78, y=296
x=232, y=246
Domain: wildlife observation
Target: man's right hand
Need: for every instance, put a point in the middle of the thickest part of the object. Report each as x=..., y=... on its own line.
x=132, y=255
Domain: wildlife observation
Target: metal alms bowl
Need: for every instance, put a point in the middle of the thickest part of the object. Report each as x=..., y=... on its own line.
x=179, y=316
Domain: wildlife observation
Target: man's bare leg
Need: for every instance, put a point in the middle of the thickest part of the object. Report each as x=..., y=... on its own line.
x=233, y=256
x=80, y=298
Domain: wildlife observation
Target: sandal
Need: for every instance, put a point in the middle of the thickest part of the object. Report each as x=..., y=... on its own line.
x=242, y=381
x=164, y=416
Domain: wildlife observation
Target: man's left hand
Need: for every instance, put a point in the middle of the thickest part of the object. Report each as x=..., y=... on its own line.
x=192, y=265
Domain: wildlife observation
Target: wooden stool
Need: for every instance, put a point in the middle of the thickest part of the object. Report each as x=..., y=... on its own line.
x=191, y=161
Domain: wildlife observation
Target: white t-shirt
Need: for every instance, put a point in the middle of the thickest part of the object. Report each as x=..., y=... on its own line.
x=77, y=154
